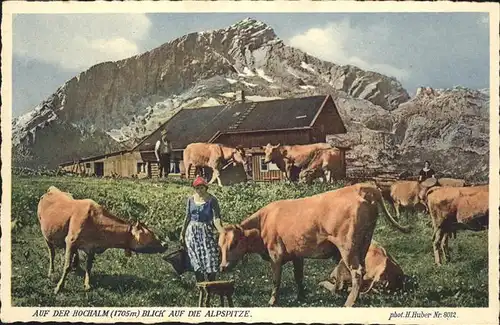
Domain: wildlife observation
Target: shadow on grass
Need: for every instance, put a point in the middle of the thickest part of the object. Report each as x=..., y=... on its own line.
x=119, y=283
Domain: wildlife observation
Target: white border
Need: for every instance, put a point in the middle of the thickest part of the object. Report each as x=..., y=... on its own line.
x=304, y=315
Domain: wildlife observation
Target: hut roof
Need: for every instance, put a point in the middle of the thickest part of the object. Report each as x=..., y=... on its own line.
x=203, y=124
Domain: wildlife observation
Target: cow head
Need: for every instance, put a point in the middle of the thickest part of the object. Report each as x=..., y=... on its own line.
x=239, y=156
x=233, y=244
x=145, y=241
x=271, y=153
x=392, y=278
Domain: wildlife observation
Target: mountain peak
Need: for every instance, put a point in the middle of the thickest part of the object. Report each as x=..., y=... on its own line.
x=254, y=27
x=250, y=22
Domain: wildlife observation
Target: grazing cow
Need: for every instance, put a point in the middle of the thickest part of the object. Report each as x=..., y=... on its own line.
x=473, y=211
x=212, y=155
x=451, y=182
x=324, y=163
x=321, y=226
x=85, y=225
x=381, y=268
x=410, y=194
x=443, y=204
x=405, y=194
x=286, y=157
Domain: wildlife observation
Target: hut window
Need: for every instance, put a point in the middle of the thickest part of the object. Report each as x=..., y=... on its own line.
x=87, y=165
x=263, y=165
x=141, y=167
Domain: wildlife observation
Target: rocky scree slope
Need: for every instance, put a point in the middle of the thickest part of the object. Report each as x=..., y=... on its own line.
x=113, y=105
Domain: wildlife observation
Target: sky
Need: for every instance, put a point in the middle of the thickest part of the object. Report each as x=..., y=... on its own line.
x=440, y=50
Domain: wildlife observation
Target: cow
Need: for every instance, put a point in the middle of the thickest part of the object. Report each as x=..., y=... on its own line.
x=452, y=182
x=287, y=157
x=381, y=268
x=331, y=224
x=443, y=204
x=324, y=163
x=85, y=225
x=212, y=155
x=473, y=211
x=411, y=194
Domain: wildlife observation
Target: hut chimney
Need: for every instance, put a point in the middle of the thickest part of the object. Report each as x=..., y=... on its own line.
x=240, y=96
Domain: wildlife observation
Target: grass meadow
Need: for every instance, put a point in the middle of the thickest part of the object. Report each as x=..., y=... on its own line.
x=147, y=280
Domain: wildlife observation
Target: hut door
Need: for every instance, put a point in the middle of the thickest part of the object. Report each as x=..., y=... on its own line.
x=99, y=168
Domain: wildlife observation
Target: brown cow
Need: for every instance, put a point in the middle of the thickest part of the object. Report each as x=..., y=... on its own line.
x=452, y=182
x=286, y=157
x=324, y=163
x=443, y=203
x=473, y=211
x=380, y=268
x=212, y=155
x=410, y=194
x=85, y=225
x=320, y=226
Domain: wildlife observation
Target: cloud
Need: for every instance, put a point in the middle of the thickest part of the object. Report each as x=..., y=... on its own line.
x=484, y=19
x=78, y=41
x=342, y=44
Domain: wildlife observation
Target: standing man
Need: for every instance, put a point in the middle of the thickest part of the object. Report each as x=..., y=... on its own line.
x=426, y=172
x=163, y=149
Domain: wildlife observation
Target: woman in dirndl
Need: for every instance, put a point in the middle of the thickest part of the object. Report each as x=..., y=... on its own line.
x=202, y=216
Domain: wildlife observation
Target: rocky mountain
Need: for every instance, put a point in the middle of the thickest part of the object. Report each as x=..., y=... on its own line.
x=113, y=105
x=449, y=127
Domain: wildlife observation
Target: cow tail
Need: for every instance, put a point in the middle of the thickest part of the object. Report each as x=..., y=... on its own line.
x=390, y=218
x=371, y=286
x=426, y=195
x=223, y=159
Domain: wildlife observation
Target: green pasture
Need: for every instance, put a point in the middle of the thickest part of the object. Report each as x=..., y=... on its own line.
x=147, y=280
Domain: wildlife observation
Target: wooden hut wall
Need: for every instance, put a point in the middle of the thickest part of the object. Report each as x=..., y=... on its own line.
x=82, y=168
x=124, y=165
x=341, y=174
x=77, y=168
x=328, y=121
x=262, y=172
